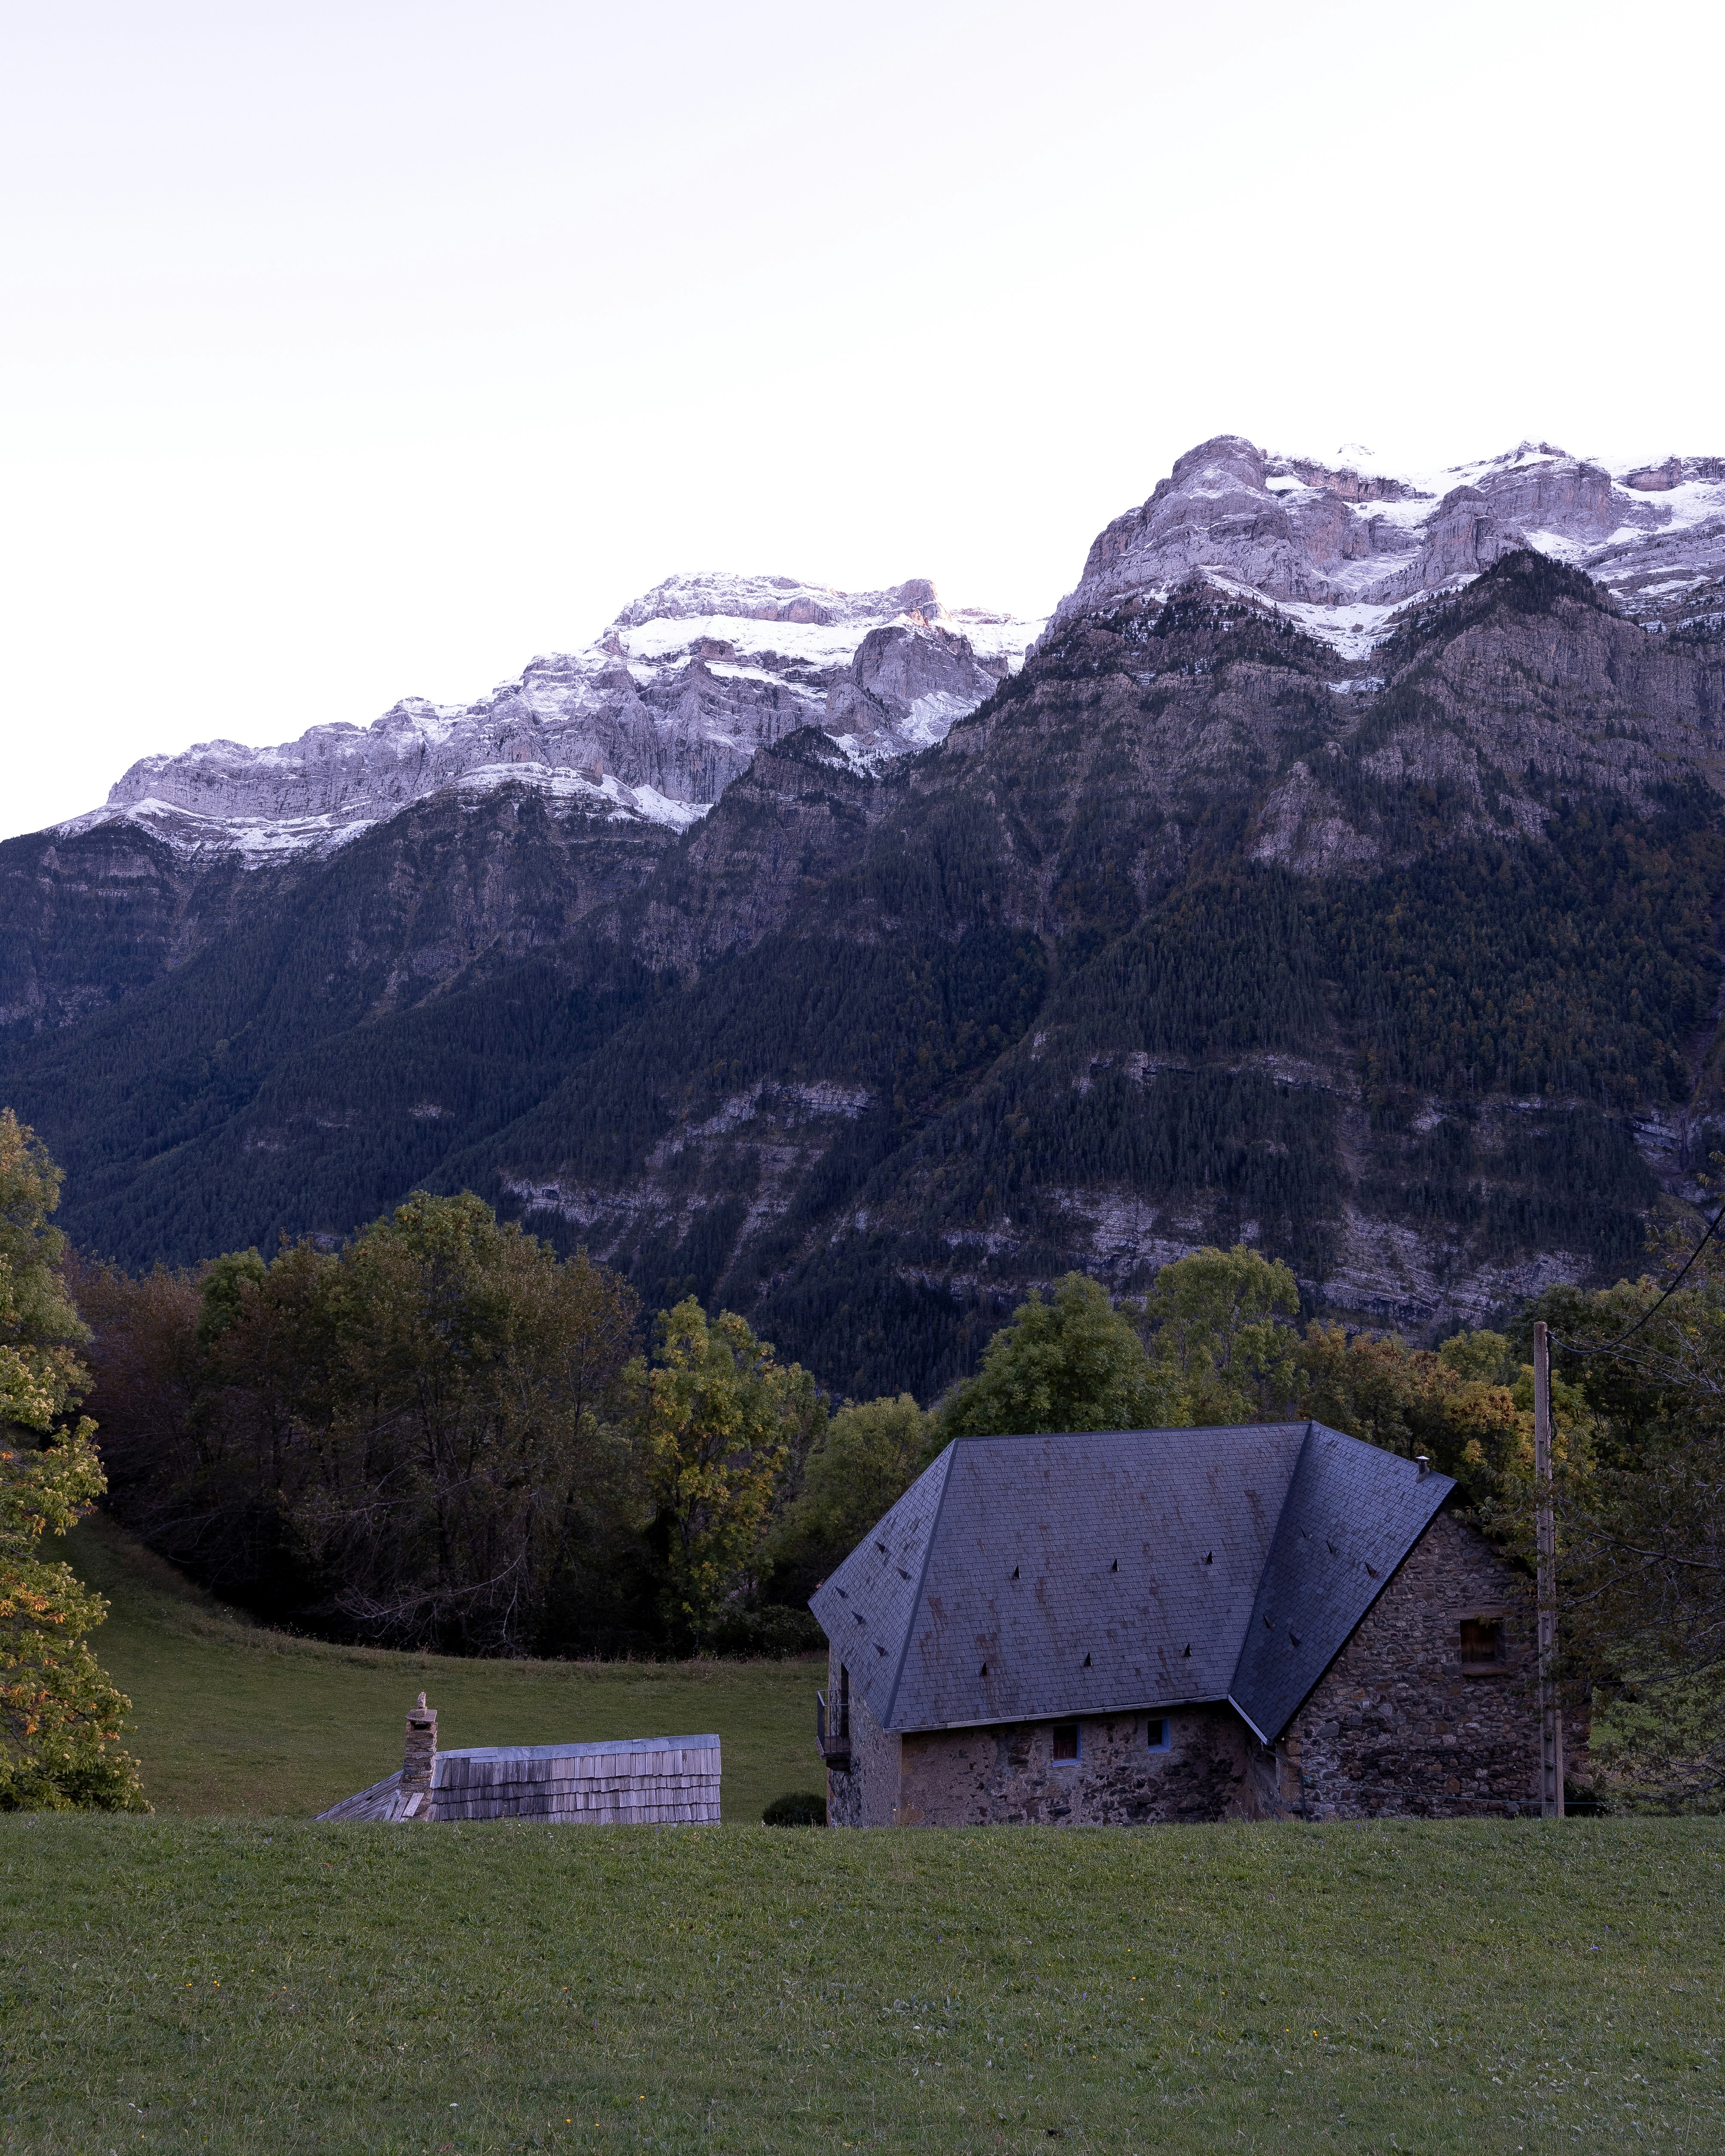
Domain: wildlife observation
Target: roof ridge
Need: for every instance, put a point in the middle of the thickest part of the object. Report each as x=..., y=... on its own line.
x=1306, y=1600
x=1269, y=1550
x=945, y=1454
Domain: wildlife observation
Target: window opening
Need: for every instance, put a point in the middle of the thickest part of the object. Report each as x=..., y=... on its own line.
x=1161, y=1735
x=844, y=1701
x=1065, y=1740
x=1481, y=1643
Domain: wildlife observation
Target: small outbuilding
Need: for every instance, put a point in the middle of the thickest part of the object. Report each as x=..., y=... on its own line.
x=1134, y=1626
x=634, y=1781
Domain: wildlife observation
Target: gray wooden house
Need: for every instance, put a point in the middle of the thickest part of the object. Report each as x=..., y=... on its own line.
x=638, y=1781
x=1140, y=1625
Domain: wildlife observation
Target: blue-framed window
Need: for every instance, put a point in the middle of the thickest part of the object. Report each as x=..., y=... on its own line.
x=1068, y=1744
x=1162, y=1734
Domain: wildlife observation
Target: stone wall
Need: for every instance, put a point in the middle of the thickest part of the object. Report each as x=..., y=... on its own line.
x=866, y=1794
x=1397, y=1727
x=1006, y=1773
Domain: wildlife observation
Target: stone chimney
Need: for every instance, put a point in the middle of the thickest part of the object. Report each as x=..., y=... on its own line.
x=420, y=1757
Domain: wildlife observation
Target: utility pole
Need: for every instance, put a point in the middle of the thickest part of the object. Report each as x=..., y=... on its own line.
x=1551, y=1719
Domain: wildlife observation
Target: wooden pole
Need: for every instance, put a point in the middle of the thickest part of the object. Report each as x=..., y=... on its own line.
x=1551, y=1719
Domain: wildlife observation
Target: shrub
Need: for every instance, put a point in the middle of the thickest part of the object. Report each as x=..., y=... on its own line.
x=802, y=1808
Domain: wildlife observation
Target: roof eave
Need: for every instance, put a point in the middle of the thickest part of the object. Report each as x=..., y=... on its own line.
x=1087, y=1712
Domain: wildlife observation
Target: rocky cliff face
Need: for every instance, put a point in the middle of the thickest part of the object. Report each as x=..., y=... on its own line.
x=1173, y=942
x=649, y=724
x=1378, y=932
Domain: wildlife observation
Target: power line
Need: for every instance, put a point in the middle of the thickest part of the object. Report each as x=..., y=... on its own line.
x=1609, y=1347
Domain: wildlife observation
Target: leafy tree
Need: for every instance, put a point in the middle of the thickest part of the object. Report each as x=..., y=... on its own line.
x=1073, y=1363
x=720, y=1420
x=223, y=1289
x=1216, y=1341
x=462, y=1435
x=1642, y=1545
x=867, y=1457
x=60, y=1717
x=426, y=1437
x=1468, y=1407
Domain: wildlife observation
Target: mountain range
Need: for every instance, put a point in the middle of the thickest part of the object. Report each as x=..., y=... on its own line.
x=1337, y=870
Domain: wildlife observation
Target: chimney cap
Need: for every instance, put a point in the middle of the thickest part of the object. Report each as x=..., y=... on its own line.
x=422, y=1699
x=1420, y=1462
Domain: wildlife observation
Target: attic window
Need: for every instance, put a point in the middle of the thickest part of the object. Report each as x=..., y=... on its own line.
x=1162, y=1734
x=1481, y=1645
x=1065, y=1741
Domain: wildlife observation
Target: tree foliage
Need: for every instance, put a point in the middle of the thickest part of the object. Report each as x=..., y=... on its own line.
x=723, y=1425
x=422, y=1439
x=866, y=1459
x=1641, y=1525
x=1213, y=1320
x=1074, y=1362
x=60, y=1717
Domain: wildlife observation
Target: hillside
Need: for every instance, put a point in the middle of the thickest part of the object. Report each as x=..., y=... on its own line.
x=232, y=1718
x=1312, y=883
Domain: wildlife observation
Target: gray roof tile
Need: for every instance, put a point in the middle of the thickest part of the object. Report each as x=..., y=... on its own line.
x=1352, y=1513
x=1025, y=1577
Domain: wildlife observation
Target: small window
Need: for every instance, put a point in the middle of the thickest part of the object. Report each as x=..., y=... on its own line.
x=1481, y=1643
x=1162, y=1734
x=1065, y=1740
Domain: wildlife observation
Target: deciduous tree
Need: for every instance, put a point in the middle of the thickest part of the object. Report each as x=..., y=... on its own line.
x=1074, y=1362
x=59, y=1716
x=721, y=1419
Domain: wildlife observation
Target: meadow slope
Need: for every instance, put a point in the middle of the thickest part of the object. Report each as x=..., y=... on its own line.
x=230, y=1717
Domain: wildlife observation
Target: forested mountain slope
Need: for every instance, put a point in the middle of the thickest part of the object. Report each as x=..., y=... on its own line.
x=1401, y=965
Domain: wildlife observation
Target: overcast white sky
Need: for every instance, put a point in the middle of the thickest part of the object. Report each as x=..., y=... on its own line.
x=360, y=350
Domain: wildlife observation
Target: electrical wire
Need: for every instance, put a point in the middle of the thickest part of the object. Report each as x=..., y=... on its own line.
x=1609, y=1347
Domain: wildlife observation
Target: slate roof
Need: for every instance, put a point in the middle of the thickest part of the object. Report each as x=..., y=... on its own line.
x=1020, y=1578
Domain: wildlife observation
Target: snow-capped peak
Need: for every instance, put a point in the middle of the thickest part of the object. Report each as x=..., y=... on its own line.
x=649, y=722
x=1343, y=544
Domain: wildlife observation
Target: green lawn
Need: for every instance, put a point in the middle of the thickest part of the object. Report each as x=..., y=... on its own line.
x=229, y=1718
x=191, y=1984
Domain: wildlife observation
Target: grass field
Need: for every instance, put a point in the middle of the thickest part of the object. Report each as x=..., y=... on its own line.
x=229, y=1718
x=181, y=1984
x=262, y=1983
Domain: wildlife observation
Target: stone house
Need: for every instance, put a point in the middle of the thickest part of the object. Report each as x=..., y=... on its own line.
x=1264, y=1622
